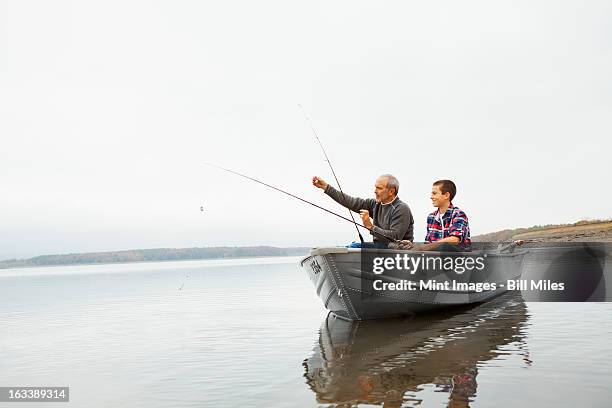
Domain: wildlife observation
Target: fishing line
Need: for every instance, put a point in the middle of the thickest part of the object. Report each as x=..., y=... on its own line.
x=331, y=167
x=299, y=198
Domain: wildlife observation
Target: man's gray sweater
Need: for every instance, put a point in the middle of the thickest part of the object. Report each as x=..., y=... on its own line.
x=394, y=220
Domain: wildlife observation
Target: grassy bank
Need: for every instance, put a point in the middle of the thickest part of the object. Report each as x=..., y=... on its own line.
x=592, y=230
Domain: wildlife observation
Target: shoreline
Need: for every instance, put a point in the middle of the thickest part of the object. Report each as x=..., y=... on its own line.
x=9, y=267
x=143, y=266
x=581, y=231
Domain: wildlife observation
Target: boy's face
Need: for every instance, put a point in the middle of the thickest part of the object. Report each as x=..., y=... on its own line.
x=437, y=198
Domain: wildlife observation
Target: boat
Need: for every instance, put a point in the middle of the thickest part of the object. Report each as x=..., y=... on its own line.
x=399, y=362
x=349, y=285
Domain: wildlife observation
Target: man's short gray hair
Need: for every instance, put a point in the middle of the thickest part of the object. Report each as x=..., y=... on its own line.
x=392, y=182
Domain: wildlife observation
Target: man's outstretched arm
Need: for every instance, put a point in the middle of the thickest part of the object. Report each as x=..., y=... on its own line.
x=352, y=203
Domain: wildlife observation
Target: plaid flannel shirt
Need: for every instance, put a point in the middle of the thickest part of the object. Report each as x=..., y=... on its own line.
x=454, y=224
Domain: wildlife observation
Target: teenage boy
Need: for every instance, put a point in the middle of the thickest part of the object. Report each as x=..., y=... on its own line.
x=447, y=227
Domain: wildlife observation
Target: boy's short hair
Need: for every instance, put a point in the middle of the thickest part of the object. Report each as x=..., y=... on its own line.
x=447, y=186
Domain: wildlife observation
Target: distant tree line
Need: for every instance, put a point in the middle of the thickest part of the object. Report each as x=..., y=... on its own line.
x=159, y=254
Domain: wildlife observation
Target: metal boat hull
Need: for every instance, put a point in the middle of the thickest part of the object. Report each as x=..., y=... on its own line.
x=346, y=287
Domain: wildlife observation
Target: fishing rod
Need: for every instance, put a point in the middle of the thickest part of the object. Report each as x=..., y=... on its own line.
x=299, y=198
x=332, y=169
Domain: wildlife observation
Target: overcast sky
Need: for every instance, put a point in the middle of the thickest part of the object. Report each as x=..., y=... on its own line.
x=109, y=108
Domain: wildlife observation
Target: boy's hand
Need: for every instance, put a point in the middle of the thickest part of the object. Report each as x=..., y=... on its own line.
x=319, y=183
x=403, y=245
x=365, y=217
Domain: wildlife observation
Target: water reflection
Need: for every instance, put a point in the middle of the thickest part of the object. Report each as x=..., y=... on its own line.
x=387, y=362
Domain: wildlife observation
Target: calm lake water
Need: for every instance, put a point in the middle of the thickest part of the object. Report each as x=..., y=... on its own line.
x=252, y=333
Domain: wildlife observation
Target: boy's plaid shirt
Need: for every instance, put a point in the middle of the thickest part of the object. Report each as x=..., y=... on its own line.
x=455, y=224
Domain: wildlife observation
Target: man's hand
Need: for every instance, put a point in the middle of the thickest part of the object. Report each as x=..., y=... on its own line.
x=365, y=217
x=319, y=183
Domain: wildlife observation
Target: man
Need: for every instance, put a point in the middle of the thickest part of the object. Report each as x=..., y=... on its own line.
x=447, y=227
x=392, y=217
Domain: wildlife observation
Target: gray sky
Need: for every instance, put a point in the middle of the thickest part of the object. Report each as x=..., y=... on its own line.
x=108, y=110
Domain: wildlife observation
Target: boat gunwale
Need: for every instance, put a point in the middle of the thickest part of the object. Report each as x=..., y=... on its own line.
x=322, y=251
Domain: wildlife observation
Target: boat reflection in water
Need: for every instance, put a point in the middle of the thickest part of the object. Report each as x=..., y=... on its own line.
x=386, y=362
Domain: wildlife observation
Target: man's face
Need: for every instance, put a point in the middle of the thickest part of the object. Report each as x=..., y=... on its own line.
x=382, y=192
x=437, y=198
